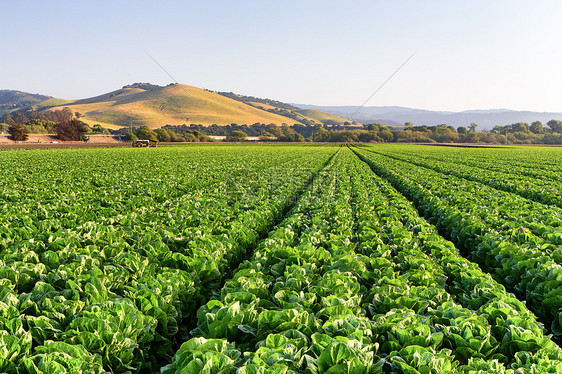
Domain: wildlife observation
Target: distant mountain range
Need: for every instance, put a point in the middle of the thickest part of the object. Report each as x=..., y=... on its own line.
x=397, y=116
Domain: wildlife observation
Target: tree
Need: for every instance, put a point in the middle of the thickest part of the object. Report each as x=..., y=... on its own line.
x=298, y=138
x=373, y=127
x=174, y=137
x=286, y=130
x=98, y=129
x=130, y=136
x=368, y=136
x=236, y=136
x=17, y=132
x=163, y=135
x=444, y=133
x=488, y=137
x=265, y=137
x=66, y=114
x=471, y=137
x=520, y=127
x=40, y=126
x=448, y=137
x=498, y=129
x=402, y=136
x=144, y=133
x=72, y=129
x=472, y=127
x=274, y=130
x=385, y=134
x=555, y=126
x=320, y=134
x=552, y=139
x=189, y=137
x=461, y=130
x=536, y=127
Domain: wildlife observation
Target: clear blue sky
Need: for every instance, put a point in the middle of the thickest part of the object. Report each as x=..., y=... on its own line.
x=469, y=54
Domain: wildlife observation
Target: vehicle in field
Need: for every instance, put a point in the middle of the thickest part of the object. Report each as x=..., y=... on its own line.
x=145, y=143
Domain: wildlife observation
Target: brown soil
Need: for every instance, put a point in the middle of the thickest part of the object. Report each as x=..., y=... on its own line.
x=457, y=145
x=26, y=145
x=51, y=141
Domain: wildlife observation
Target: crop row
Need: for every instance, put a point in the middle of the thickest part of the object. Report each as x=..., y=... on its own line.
x=532, y=272
x=353, y=281
x=105, y=278
x=523, y=220
x=546, y=191
x=511, y=324
x=536, y=162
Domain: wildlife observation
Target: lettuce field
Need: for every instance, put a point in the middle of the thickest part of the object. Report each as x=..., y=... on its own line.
x=281, y=259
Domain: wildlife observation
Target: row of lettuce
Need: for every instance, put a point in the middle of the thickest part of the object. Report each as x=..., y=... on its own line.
x=354, y=281
x=514, y=239
x=522, y=219
x=106, y=255
x=537, y=180
x=537, y=162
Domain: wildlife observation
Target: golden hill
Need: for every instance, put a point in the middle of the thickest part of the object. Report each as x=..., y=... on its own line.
x=311, y=117
x=171, y=105
x=325, y=118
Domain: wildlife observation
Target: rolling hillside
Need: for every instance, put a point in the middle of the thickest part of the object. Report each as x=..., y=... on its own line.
x=48, y=103
x=144, y=104
x=11, y=100
x=177, y=104
x=293, y=113
x=325, y=118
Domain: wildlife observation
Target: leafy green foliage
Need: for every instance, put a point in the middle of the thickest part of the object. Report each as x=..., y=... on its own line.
x=104, y=264
x=515, y=239
x=146, y=133
x=354, y=281
x=280, y=268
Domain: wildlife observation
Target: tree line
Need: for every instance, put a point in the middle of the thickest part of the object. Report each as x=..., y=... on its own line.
x=519, y=133
x=270, y=131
